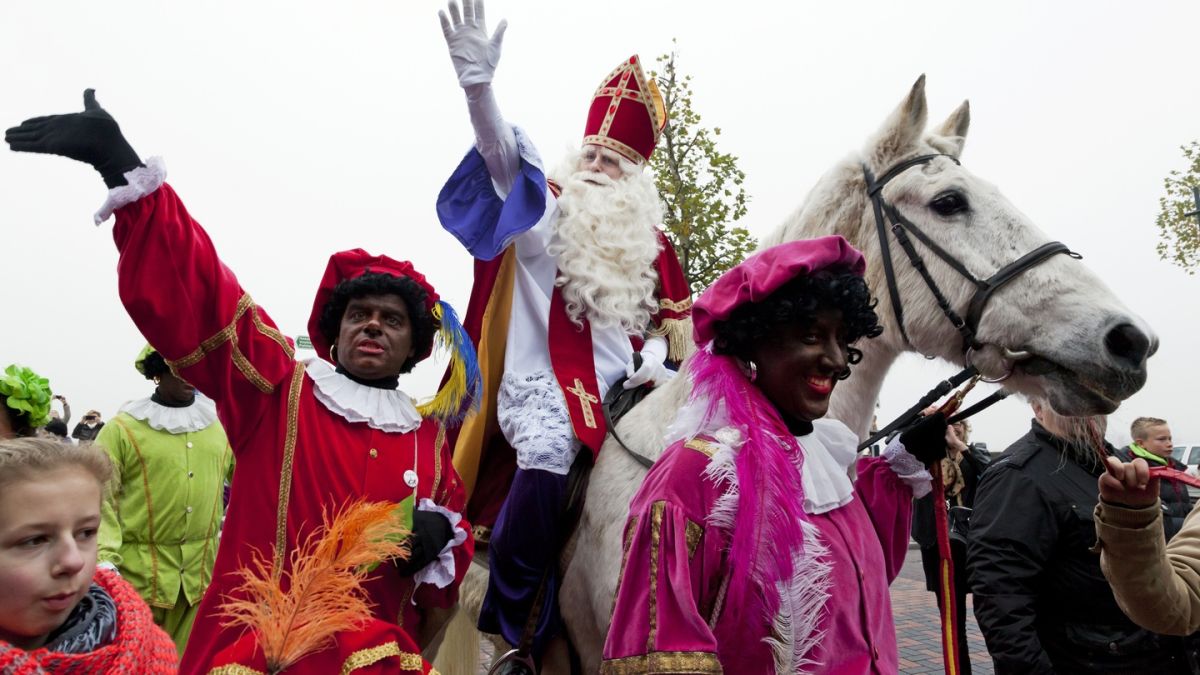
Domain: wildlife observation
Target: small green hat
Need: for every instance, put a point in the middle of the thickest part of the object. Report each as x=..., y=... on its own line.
x=27, y=392
x=140, y=361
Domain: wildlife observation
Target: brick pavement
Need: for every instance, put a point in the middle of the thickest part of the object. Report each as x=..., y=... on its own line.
x=918, y=626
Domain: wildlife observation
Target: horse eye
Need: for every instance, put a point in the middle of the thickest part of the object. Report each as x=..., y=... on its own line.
x=949, y=204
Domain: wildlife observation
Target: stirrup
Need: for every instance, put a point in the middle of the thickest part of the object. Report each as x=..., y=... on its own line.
x=513, y=656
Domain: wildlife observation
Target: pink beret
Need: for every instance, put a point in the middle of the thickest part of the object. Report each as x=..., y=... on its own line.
x=763, y=273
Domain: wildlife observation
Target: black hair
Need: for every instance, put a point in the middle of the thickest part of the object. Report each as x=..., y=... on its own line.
x=18, y=420
x=375, y=283
x=57, y=427
x=800, y=300
x=154, y=366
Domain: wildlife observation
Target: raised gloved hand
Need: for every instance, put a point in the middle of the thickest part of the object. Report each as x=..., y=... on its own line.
x=926, y=440
x=91, y=136
x=474, y=55
x=651, y=368
x=431, y=532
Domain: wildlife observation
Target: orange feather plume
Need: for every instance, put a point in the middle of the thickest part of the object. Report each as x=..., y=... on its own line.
x=323, y=592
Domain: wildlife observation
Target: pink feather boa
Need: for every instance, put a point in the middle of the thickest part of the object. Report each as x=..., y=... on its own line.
x=767, y=531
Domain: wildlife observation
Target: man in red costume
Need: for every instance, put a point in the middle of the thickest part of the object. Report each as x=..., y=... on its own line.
x=307, y=436
x=573, y=278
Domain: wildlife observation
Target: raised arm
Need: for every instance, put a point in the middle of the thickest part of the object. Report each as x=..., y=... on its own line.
x=184, y=300
x=475, y=57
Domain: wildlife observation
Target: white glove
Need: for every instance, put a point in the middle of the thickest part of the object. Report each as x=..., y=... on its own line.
x=474, y=55
x=654, y=352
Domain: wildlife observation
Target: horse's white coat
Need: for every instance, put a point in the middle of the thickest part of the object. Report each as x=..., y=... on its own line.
x=1059, y=310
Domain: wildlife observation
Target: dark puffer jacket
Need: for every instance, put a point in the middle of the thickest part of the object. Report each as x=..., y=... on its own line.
x=1042, y=603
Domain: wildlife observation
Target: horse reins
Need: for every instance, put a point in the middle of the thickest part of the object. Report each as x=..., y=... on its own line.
x=967, y=327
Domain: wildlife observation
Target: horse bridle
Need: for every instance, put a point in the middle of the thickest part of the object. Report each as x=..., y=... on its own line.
x=984, y=288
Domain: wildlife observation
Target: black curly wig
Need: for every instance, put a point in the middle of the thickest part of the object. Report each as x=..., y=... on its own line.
x=154, y=365
x=800, y=300
x=375, y=283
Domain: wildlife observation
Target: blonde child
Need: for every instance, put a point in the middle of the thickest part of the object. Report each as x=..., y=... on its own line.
x=58, y=613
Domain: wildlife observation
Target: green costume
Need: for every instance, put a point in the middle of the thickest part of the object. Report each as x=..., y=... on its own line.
x=161, y=523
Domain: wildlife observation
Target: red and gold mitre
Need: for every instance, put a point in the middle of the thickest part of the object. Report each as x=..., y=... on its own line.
x=627, y=113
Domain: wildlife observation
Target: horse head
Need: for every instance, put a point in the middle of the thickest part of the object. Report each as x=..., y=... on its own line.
x=1054, y=331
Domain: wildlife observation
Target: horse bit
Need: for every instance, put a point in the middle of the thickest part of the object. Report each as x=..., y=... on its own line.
x=984, y=288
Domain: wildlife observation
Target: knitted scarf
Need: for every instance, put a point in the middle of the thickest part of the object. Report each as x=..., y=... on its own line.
x=139, y=648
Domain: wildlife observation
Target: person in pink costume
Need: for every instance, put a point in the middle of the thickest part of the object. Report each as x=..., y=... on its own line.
x=749, y=547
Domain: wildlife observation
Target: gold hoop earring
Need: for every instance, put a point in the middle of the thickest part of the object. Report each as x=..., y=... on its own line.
x=333, y=353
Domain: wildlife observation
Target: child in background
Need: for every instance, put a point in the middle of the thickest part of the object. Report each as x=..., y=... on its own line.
x=58, y=613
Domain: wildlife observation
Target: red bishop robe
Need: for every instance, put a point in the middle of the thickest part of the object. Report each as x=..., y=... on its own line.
x=296, y=458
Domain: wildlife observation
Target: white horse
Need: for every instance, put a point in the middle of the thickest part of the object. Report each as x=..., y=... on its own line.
x=1085, y=351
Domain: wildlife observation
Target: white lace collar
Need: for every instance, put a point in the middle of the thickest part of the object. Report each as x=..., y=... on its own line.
x=829, y=452
x=189, y=419
x=389, y=410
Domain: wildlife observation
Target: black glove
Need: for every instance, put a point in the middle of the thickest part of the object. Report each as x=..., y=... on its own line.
x=926, y=440
x=91, y=136
x=431, y=532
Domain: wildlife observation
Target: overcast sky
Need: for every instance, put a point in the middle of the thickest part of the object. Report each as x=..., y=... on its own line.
x=295, y=129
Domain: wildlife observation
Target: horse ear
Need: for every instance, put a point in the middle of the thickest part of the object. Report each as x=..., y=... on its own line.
x=952, y=135
x=903, y=129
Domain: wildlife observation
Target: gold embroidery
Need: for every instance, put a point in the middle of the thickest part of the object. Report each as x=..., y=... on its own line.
x=586, y=401
x=656, y=518
x=677, y=307
x=720, y=602
x=272, y=333
x=285, y=473
x=663, y=662
x=438, y=442
x=365, y=657
x=693, y=533
x=702, y=446
x=630, y=529
x=154, y=599
x=235, y=669
x=229, y=334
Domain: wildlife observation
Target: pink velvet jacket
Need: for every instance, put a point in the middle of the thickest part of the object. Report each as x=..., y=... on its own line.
x=669, y=618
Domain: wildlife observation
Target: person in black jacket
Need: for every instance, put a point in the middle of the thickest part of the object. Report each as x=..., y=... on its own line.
x=1041, y=601
x=961, y=471
x=1152, y=442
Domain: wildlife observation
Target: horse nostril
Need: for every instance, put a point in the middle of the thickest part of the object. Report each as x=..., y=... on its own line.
x=1128, y=344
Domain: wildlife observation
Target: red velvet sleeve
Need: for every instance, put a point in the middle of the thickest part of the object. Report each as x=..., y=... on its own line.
x=190, y=307
x=452, y=496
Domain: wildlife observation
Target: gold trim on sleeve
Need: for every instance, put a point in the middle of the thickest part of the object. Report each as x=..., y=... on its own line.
x=656, y=518
x=693, y=533
x=704, y=663
x=372, y=655
x=701, y=446
x=229, y=334
x=235, y=669
x=285, y=472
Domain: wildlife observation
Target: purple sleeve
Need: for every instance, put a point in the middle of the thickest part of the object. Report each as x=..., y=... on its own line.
x=469, y=208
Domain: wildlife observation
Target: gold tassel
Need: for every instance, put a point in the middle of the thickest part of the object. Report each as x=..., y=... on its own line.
x=679, y=337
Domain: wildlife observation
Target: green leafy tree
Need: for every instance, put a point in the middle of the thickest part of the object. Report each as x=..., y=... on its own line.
x=701, y=186
x=1178, y=225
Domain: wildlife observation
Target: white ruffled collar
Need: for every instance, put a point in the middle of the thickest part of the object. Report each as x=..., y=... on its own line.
x=389, y=410
x=187, y=420
x=829, y=452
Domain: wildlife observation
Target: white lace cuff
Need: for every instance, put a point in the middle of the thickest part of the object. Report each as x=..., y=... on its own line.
x=440, y=572
x=908, y=468
x=141, y=181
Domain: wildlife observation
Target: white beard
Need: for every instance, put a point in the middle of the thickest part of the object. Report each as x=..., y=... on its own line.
x=606, y=246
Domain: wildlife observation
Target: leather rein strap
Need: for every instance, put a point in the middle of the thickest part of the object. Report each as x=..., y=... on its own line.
x=901, y=228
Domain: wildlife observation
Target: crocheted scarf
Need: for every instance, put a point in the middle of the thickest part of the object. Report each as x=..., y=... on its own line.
x=140, y=647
